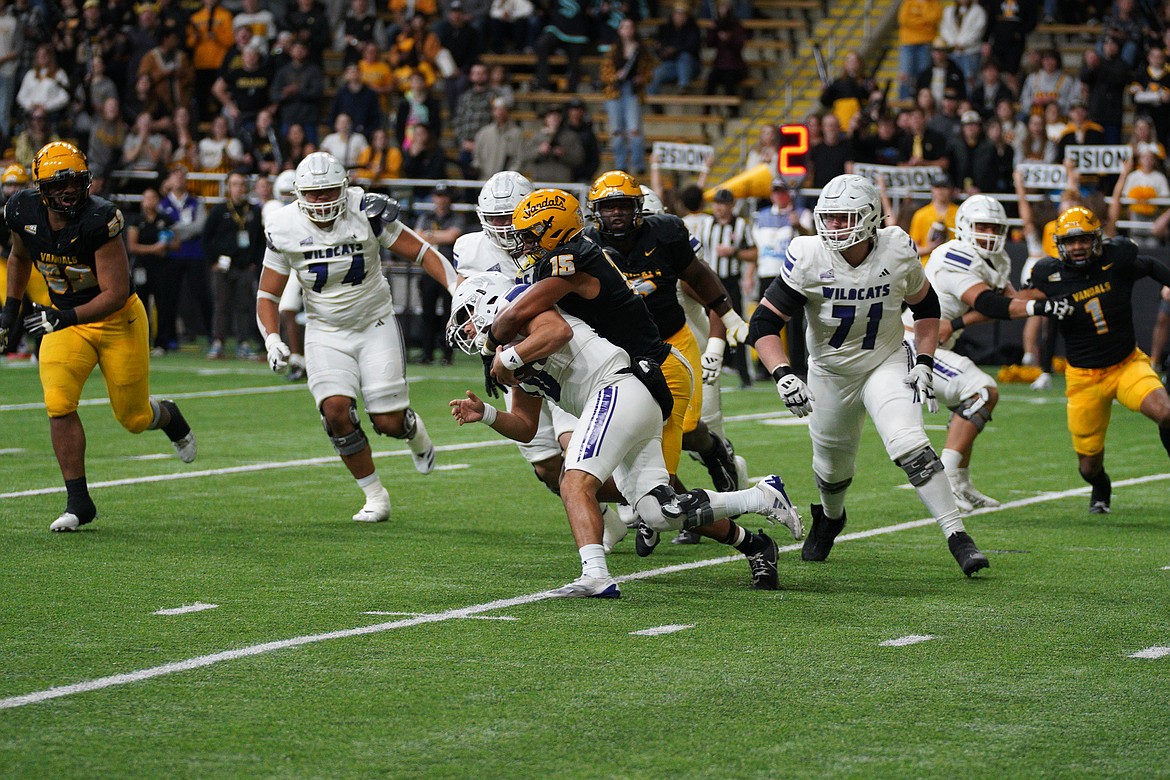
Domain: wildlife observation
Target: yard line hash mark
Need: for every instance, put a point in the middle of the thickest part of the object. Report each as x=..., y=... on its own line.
x=903, y=641
x=422, y=614
x=1151, y=653
x=202, y=661
x=660, y=630
x=198, y=606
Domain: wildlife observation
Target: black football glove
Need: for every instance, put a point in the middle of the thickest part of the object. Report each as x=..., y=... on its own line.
x=8, y=320
x=490, y=385
x=45, y=320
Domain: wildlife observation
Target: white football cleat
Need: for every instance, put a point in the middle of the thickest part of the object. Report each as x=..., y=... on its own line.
x=741, y=472
x=186, y=448
x=968, y=498
x=778, y=507
x=376, y=510
x=422, y=450
x=614, y=529
x=588, y=587
x=66, y=522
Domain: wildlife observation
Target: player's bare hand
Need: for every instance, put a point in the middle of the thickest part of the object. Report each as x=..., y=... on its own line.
x=467, y=410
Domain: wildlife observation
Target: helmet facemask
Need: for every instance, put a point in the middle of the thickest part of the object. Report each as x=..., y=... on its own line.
x=629, y=221
x=66, y=192
x=847, y=213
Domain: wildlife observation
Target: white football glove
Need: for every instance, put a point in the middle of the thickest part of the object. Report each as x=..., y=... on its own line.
x=796, y=395
x=1043, y=382
x=713, y=360
x=737, y=329
x=278, y=351
x=1051, y=307
x=921, y=380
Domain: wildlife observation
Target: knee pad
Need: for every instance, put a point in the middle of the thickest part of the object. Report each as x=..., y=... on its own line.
x=921, y=465
x=409, y=426
x=665, y=510
x=976, y=409
x=350, y=443
x=832, y=487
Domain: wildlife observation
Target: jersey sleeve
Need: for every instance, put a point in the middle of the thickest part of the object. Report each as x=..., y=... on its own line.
x=953, y=271
x=107, y=223
x=672, y=234
x=387, y=232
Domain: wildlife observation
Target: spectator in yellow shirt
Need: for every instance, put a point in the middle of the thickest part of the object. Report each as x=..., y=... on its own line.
x=209, y=36
x=934, y=223
x=918, y=23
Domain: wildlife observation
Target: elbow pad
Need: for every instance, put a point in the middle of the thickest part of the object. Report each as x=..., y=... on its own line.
x=992, y=304
x=928, y=307
x=765, y=322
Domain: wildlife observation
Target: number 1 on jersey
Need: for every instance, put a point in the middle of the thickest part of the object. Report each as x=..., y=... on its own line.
x=847, y=314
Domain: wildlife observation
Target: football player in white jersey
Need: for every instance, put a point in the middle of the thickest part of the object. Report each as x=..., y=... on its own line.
x=618, y=434
x=291, y=302
x=851, y=280
x=331, y=238
x=971, y=275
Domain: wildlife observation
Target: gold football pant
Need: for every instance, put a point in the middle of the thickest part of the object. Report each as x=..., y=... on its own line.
x=681, y=368
x=1091, y=391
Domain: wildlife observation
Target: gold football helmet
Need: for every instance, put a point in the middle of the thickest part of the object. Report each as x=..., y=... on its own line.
x=610, y=187
x=14, y=174
x=1076, y=223
x=61, y=174
x=545, y=220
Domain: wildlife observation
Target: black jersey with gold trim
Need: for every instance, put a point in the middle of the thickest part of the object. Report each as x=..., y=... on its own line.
x=660, y=251
x=616, y=313
x=65, y=257
x=1100, y=332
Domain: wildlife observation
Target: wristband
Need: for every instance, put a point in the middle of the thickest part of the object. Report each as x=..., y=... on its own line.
x=957, y=324
x=1030, y=308
x=511, y=359
x=489, y=414
x=925, y=360
x=779, y=372
x=715, y=346
x=722, y=299
x=271, y=339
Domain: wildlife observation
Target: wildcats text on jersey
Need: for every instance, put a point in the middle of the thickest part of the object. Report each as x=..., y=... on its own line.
x=333, y=251
x=854, y=294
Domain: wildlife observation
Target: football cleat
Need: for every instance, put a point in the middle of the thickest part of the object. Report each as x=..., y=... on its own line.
x=422, y=450
x=741, y=472
x=645, y=541
x=821, y=535
x=720, y=465
x=778, y=508
x=687, y=536
x=67, y=522
x=186, y=448
x=1099, y=507
x=1100, y=497
x=763, y=564
x=376, y=510
x=588, y=588
x=185, y=443
x=614, y=530
x=966, y=553
x=968, y=498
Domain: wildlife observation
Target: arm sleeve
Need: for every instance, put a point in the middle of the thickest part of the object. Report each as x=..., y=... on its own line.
x=1154, y=267
x=786, y=300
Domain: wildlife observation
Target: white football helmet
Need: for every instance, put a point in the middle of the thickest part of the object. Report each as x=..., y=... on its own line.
x=499, y=198
x=981, y=210
x=651, y=203
x=322, y=171
x=856, y=197
x=285, y=187
x=473, y=309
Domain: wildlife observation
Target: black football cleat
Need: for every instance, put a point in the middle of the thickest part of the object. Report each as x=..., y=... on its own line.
x=821, y=535
x=763, y=564
x=966, y=553
x=687, y=536
x=720, y=464
x=645, y=540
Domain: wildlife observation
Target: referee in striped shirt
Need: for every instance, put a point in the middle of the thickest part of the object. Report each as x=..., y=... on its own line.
x=729, y=249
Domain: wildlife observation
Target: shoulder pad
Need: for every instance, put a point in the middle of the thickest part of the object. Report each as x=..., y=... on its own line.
x=668, y=227
x=378, y=206
x=1119, y=248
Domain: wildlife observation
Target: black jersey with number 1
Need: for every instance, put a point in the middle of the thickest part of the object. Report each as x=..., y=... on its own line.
x=1100, y=331
x=616, y=313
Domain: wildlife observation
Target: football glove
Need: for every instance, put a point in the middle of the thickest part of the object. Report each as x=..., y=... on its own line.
x=490, y=385
x=737, y=329
x=45, y=320
x=921, y=381
x=796, y=395
x=8, y=319
x=712, y=362
x=278, y=351
x=1051, y=307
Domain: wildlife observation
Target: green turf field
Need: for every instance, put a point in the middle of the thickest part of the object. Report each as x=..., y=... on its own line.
x=471, y=673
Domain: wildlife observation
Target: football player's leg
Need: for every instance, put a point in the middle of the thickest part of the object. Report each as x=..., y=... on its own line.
x=382, y=364
x=1090, y=396
x=835, y=431
x=681, y=381
x=67, y=359
x=579, y=495
x=971, y=395
x=1140, y=381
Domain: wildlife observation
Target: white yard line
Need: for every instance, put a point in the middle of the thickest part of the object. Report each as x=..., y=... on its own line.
x=660, y=630
x=418, y=614
x=1152, y=653
x=463, y=612
x=903, y=641
x=198, y=606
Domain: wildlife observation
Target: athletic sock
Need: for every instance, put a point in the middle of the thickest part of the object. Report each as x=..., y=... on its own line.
x=936, y=495
x=593, y=561
x=371, y=486
x=737, y=502
x=751, y=544
x=1102, y=486
x=1164, y=434
x=78, y=501
x=737, y=535
x=951, y=460
x=177, y=428
x=833, y=504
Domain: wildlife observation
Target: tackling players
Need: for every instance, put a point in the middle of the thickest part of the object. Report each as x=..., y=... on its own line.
x=1104, y=362
x=332, y=238
x=75, y=241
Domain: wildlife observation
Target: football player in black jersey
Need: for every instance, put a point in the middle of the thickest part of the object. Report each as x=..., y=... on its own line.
x=75, y=241
x=13, y=180
x=654, y=253
x=570, y=271
x=1104, y=361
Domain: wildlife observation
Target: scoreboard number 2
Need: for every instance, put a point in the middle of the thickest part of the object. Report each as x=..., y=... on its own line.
x=792, y=148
